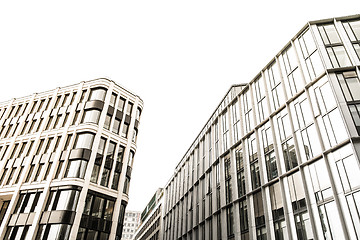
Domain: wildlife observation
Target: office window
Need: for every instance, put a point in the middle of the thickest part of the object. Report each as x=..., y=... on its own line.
x=218, y=226
x=49, y=123
x=129, y=108
x=261, y=101
x=57, y=102
x=17, y=232
x=216, y=139
x=298, y=202
x=313, y=66
x=269, y=151
x=235, y=114
x=47, y=106
x=228, y=187
x=116, y=125
x=73, y=96
x=76, y=118
x=209, y=147
x=125, y=130
x=230, y=222
x=291, y=72
x=320, y=181
x=97, y=94
x=259, y=216
x=330, y=221
x=247, y=110
x=121, y=104
x=113, y=99
x=84, y=140
x=76, y=169
x=138, y=113
x=27, y=202
x=347, y=168
x=334, y=47
x=33, y=107
x=283, y=128
x=244, y=220
x=217, y=181
x=66, y=100
x=98, y=161
x=240, y=172
x=135, y=132
x=350, y=85
x=353, y=31
x=3, y=209
x=62, y=200
x=126, y=185
x=91, y=116
x=131, y=159
x=307, y=136
x=225, y=130
x=57, y=123
x=253, y=161
x=108, y=164
x=327, y=114
x=277, y=209
x=328, y=212
x=107, y=122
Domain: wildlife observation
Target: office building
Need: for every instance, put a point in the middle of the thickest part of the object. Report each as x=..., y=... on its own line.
x=131, y=223
x=66, y=157
x=279, y=157
x=151, y=218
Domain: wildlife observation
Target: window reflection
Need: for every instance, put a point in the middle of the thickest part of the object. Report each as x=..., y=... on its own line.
x=297, y=195
x=277, y=97
x=259, y=216
x=353, y=31
x=269, y=152
x=84, y=140
x=335, y=49
x=278, y=213
x=97, y=94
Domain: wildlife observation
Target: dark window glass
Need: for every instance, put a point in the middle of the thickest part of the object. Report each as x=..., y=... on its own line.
x=277, y=209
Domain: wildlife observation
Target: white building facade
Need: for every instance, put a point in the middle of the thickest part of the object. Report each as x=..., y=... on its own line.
x=279, y=157
x=66, y=157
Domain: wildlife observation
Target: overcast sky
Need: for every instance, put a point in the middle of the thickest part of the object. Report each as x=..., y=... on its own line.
x=180, y=57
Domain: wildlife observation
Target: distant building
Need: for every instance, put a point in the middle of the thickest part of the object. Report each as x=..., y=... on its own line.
x=131, y=223
x=66, y=157
x=279, y=157
x=151, y=219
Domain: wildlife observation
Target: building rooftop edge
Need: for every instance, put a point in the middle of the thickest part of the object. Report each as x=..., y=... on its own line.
x=96, y=79
x=349, y=17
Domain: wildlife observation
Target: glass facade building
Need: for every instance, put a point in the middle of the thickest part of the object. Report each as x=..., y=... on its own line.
x=66, y=157
x=279, y=157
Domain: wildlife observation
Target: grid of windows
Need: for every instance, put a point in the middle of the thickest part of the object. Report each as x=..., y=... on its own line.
x=291, y=158
x=57, y=138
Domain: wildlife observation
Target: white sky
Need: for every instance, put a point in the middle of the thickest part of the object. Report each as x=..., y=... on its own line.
x=180, y=57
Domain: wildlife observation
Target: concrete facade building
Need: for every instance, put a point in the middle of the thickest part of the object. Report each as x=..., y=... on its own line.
x=66, y=157
x=132, y=221
x=279, y=157
x=151, y=218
